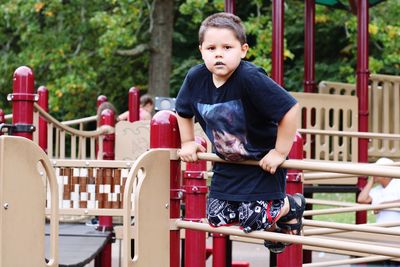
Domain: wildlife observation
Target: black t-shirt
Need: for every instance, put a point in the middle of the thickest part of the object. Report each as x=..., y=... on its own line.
x=240, y=118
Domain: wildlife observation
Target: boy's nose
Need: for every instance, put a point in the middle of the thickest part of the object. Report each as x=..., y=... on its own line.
x=218, y=53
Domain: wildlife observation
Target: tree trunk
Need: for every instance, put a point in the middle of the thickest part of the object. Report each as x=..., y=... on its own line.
x=161, y=47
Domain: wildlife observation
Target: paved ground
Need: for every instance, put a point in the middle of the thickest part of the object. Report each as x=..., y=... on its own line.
x=257, y=255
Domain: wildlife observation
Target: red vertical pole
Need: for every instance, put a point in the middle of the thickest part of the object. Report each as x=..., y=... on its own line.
x=293, y=255
x=362, y=91
x=43, y=102
x=277, y=57
x=134, y=104
x=2, y=119
x=196, y=190
x=219, y=250
x=230, y=6
x=164, y=133
x=23, y=98
x=309, y=74
x=100, y=100
x=277, y=40
x=107, y=117
x=309, y=48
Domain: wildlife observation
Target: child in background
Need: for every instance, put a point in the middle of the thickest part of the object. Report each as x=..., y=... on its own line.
x=145, y=110
x=246, y=115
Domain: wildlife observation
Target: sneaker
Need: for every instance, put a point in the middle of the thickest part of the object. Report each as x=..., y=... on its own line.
x=93, y=222
x=274, y=247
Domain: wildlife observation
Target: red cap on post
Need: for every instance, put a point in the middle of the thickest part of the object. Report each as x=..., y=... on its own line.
x=107, y=117
x=164, y=131
x=23, y=97
x=101, y=99
x=134, y=104
x=2, y=118
x=43, y=102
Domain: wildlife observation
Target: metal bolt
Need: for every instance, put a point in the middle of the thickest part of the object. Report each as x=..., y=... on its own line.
x=180, y=194
x=166, y=206
x=5, y=206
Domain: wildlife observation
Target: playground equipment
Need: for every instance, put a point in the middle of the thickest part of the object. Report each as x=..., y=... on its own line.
x=151, y=211
x=110, y=174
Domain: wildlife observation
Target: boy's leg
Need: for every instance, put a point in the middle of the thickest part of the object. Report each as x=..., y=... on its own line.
x=262, y=215
x=291, y=222
x=222, y=212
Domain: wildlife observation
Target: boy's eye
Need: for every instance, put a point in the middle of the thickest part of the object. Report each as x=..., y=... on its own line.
x=228, y=47
x=211, y=48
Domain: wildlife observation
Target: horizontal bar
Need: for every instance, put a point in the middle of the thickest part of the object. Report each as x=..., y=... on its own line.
x=90, y=212
x=359, y=207
x=352, y=227
x=348, y=261
x=287, y=238
x=351, y=134
x=336, y=167
x=79, y=163
x=324, y=231
x=324, y=175
x=330, y=202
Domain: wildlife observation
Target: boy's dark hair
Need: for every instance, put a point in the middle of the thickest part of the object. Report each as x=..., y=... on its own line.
x=146, y=99
x=223, y=20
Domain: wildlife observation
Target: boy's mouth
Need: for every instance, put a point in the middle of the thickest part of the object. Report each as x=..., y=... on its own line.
x=219, y=63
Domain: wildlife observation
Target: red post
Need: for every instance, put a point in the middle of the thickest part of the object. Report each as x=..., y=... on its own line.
x=293, y=255
x=196, y=190
x=362, y=91
x=2, y=119
x=107, y=117
x=164, y=133
x=219, y=250
x=43, y=102
x=309, y=49
x=100, y=100
x=277, y=40
x=230, y=6
x=23, y=97
x=134, y=104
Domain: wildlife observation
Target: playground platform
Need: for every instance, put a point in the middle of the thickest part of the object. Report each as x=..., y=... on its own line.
x=79, y=244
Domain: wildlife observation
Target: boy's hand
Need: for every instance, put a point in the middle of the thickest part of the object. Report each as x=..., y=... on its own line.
x=272, y=161
x=188, y=152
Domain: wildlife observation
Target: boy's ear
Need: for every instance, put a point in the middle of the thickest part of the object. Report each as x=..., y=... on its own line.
x=244, y=48
x=200, y=48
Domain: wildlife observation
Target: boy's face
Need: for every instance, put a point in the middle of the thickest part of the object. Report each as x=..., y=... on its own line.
x=222, y=52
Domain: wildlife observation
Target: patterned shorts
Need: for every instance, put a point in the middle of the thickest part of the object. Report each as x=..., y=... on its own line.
x=251, y=215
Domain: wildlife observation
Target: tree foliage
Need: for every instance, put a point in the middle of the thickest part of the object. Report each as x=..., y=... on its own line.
x=81, y=49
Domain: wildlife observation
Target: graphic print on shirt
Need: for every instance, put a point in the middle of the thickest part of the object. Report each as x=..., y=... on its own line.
x=226, y=128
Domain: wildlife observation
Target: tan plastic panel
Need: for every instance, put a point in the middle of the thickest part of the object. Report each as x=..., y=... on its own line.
x=23, y=199
x=329, y=112
x=384, y=106
x=151, y=211
x=132, y=139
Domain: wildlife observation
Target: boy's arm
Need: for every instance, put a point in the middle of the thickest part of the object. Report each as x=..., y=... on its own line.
x=364, y=196
x=189, y=146
x=285, y=136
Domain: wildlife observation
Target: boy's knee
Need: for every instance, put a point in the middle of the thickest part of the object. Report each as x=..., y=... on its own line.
x=221, y=212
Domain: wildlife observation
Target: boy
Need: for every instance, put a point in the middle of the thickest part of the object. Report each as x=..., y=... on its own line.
x=246, y=116
x=386, y=191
